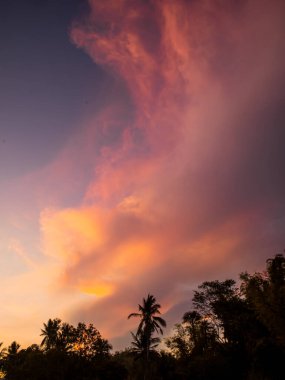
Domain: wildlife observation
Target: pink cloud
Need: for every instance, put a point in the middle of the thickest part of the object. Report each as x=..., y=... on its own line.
x=181, y=194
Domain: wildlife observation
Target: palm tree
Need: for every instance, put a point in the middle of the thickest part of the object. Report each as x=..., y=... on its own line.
x=2, y=352
x=51, y=334
x=149, y=324
x=139, y=343
x=13, y=349
x=66, y=337
x=149, y=321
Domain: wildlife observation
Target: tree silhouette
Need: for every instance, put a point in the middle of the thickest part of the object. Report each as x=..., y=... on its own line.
x=51, y=334
x=2, y=351
x=66, y=336
x=180, y=343
x=232, y=332
x=139, y=343
x=88, y=342
x=13, y=349
x=265, y=293
x=150, y=323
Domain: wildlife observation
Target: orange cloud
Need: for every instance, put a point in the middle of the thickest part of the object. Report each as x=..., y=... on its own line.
x=174, y=197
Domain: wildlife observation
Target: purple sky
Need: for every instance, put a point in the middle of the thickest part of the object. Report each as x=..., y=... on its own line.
x=141, y=150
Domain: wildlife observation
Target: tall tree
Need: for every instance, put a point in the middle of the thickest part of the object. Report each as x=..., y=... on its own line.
x=89, y=343
x=13, y=349
x=51, y=334
x=202, y=332
x=212, y=301
x=66, y=336
x=265, y=293
x=180, y=342
x=150, y=323
x=2, y=351
x=139, y=343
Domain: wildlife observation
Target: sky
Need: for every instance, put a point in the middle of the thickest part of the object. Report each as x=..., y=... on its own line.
x=141, y=151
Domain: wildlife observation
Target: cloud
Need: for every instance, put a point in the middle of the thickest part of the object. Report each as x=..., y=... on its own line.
x=186, y=185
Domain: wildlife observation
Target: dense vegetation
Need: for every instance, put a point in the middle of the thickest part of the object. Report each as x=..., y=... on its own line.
x=232, y=332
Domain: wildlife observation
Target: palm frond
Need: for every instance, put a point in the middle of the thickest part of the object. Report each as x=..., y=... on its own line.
x=134, y=315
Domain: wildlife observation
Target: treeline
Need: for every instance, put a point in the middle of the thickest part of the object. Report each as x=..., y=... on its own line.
x=233, y=331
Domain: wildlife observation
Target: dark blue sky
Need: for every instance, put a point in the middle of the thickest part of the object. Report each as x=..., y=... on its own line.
x=46, y=84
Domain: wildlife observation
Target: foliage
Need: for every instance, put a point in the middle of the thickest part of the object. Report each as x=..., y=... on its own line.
x=52, y=334
x=82, y=340
x=237, y=332
x=265, y=293
x=150, y=323
x=231, y=332
x=87, y=342
x=180, y=343
x=144, y=342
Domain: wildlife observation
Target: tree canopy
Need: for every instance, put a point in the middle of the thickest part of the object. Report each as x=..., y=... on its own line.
x=231, y=331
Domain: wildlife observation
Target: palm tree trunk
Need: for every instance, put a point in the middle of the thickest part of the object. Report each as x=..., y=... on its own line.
x=146, y=363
